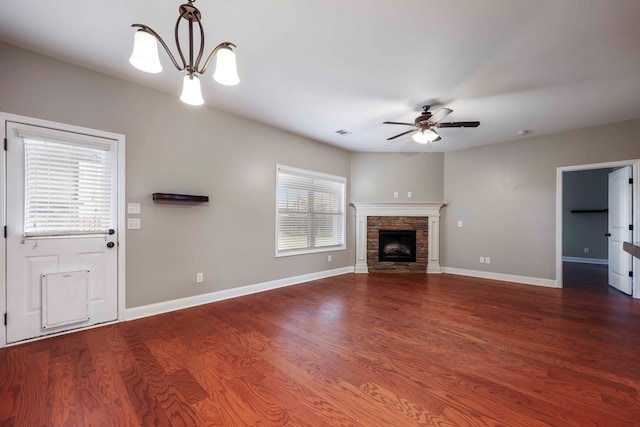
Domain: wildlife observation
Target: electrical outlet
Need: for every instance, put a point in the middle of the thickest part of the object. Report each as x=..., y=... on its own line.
x=460, y=224
x=586, y=250
x=409, y=194
x=395, y=194
x=487, y=260
x=133, y=223
x=199, y=277
x=329, y=258
x=481, y=260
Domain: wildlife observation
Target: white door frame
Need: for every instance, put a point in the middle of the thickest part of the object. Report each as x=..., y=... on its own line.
x=635, y=164
x=120, y=140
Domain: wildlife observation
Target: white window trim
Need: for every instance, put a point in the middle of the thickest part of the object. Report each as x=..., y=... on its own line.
x=317, y=175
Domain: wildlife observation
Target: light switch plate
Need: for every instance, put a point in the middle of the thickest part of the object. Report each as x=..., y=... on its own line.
x=409, y=194
x=133, y=208
x=133, y=223
x=460, y=224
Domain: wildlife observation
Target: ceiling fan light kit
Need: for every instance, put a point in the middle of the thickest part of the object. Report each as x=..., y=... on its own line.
x=426, y=136
x=425, y=122
x=145, y=55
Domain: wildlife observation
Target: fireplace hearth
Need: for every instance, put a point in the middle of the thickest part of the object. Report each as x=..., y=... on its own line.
x=397, y=245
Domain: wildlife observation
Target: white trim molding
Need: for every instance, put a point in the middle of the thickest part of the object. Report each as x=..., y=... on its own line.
x=549, y=283
x=182, y=303
x=430, y=210
x=635, y=263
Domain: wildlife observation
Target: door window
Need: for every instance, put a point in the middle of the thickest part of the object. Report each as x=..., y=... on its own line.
x=67, y=188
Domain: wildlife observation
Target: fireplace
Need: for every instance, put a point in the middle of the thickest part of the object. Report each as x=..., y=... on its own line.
x=397, y=245
x=422, y=217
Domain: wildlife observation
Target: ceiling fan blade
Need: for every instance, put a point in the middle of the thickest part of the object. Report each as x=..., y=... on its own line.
x=439, y=115
x=400, y=134
x=458, y=125
x=437, y=139
x=398, y=123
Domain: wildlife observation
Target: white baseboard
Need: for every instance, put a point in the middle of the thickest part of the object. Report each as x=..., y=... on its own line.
x=182, y=303
x=582, y=260
x=549, y=283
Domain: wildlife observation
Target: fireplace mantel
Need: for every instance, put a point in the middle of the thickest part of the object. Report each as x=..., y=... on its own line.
x=430, y=210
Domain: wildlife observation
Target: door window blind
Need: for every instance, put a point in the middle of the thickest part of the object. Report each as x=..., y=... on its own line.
x=67, y=188
x=310, y=211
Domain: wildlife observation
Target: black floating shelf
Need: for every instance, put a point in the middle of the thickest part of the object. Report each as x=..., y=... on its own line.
x=168, y=197
x=589, y=210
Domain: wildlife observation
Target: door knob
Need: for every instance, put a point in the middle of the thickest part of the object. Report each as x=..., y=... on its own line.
x=110, y=244
x=111, y=231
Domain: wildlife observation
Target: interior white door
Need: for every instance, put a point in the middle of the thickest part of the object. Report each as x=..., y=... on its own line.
x=620, y=219
x=31, y=257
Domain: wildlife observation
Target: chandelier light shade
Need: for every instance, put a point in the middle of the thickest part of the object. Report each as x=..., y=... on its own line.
x=226, y=72
x=145, y=55
x=191, y=93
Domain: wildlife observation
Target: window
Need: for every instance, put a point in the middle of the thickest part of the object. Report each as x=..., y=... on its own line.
x=67, y=188
x=310, y=211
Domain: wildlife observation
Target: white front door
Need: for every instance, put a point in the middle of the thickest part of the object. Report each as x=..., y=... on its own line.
x=620, y=220
x=62, y=240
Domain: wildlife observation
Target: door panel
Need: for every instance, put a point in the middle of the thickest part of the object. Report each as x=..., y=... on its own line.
x=29, y=258
x=620, y=217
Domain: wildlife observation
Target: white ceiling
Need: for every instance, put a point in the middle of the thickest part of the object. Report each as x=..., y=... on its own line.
x=316, y=66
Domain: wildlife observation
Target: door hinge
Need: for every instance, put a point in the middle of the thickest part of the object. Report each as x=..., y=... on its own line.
x=630, y=180
x=630, y=275
x=5, y=318
x=630, y=227
x=5, y=144
x=5, y=231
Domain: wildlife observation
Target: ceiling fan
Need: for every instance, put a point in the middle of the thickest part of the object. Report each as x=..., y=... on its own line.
x=426, y=121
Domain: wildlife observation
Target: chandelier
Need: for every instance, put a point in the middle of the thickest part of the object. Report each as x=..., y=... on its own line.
x=145, y=55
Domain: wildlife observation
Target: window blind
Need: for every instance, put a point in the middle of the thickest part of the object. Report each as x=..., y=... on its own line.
x=310, y=211
x=67, y=188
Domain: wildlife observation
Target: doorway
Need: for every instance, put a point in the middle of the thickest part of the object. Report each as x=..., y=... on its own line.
x=584, y=249
x=63, y=258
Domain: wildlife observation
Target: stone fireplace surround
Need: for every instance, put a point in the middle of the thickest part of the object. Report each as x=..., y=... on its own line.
x=430, y=210
x=419, y=224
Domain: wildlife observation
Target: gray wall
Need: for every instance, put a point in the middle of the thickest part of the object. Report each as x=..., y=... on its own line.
x=505, y=194
x=176, y=148
x=586, y=189
x=376, y=176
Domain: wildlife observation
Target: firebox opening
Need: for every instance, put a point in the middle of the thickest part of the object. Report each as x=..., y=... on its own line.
x=397, y=245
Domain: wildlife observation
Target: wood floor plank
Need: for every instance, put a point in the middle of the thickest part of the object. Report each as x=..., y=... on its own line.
x=143, y=400
x=375, y=350
x=229, y=407
x=36, y=383
x=62, y=396
x=156, y=382
x=188, y=387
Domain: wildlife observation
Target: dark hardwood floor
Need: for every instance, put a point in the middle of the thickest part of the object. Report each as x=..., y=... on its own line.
x=587, y=277
x=367, y=350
